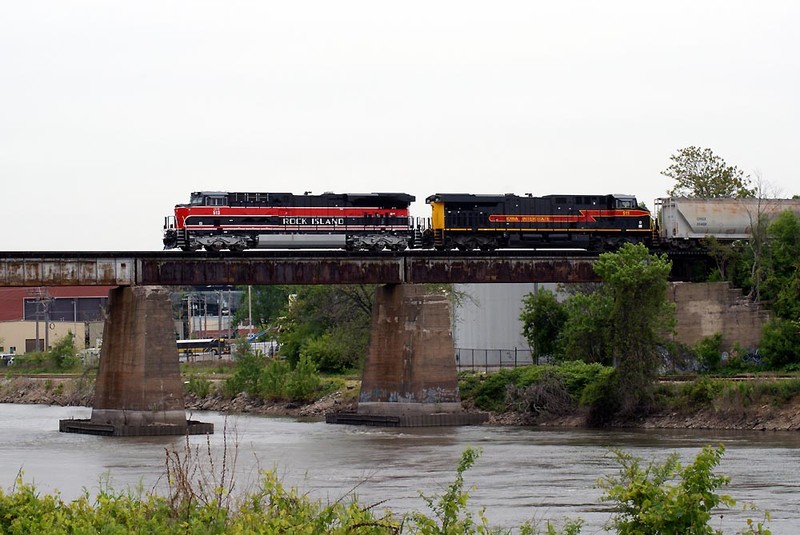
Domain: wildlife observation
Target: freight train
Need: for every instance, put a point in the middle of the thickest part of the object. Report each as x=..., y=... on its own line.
x=381, y=221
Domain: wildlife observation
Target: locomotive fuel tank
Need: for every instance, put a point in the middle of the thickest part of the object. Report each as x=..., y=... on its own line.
x=685, y=218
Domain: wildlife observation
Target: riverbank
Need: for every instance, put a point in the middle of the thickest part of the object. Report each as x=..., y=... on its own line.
x=763, y=415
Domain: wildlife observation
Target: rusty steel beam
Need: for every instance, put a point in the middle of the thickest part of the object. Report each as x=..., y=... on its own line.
x=507, y=268
x=275, y=270
x=92, y=270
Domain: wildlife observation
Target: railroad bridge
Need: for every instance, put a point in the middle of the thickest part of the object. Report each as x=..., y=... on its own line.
x=409, y=377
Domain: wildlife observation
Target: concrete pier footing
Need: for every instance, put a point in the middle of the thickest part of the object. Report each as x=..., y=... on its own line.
x=139, y=389
x=409, y=377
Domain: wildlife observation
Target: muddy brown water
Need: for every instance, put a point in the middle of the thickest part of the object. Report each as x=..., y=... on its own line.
x=523, y=473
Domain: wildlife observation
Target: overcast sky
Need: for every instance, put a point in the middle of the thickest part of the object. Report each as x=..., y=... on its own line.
x=113, y=112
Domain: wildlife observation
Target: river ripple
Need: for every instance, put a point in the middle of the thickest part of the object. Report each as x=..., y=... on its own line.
x=523, y=473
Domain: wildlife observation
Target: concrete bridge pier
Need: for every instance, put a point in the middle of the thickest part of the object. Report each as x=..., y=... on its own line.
x=409, y=376
x=139, y=389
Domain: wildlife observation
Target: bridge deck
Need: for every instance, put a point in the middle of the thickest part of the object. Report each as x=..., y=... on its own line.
x=292, y=267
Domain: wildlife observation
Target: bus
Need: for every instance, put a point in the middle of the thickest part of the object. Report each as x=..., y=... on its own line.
x=188, y=349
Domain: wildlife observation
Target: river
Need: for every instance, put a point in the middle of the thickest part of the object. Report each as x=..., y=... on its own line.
x=523, y=473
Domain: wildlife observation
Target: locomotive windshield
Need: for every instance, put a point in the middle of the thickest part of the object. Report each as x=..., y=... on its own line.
x=204, y=198
x=626, y=202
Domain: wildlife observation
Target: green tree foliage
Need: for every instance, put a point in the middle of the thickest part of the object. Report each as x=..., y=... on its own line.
x=701, y=173
x=268, y=303
x=639, y=317
x=781, y=282
x=329, y=324
x=780, y=343
x=542, y=318
x=647, y=501
x=586, y=333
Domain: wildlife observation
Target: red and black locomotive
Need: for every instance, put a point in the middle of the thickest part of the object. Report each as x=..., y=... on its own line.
x=238, y=221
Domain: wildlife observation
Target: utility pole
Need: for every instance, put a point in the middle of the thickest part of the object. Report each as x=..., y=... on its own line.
x=189, y=322
x=219, y=313
x=42, y=312
x=249, y=309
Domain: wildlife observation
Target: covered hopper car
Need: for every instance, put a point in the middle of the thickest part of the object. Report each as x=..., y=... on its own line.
x=684, y=221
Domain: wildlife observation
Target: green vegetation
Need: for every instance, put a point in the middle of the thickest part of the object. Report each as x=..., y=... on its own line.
x=538, y=390
x=327, y=324
x=198, y=385
x=647, y=502
x=542, y=320
x=62, y=357
x=273, y=379
x=201, y=502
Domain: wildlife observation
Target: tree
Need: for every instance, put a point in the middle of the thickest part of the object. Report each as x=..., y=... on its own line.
x=640, y=315
x=542, y=318
x=701, y=173
x=267, y=304
x=781, y=284
x=329, y=323
x=586, y=332
x=780, y=344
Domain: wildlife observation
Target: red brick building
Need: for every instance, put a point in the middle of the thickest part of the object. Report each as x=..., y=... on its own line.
x=32, y=318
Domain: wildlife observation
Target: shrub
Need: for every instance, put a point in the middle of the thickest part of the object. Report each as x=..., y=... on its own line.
x=326, y=352
x=246, y=375
x=63, y=355
x=546, y=397
x=780, y=344
x=198, y=385
x=490, y=392
x=702, y=391
x=646, y=501
x=303, y=382
x=709, y=352
x=273, y=379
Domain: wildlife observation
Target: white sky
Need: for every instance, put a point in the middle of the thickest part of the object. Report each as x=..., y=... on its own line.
x=113, y=112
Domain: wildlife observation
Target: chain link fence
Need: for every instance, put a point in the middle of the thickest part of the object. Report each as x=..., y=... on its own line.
x=490, y=360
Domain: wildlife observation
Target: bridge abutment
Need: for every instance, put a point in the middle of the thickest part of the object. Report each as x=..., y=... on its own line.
x=139, y=389
x=409, y=376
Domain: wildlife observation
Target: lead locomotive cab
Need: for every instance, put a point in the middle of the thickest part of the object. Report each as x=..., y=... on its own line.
x=468, y=221
x=246, y=220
